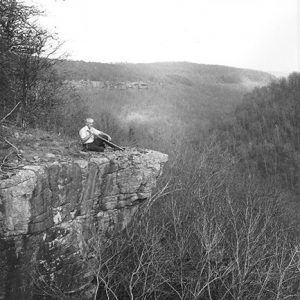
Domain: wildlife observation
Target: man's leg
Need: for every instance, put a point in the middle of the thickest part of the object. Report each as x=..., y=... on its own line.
x=94, y=147
x=97, y=145
x=99, y=142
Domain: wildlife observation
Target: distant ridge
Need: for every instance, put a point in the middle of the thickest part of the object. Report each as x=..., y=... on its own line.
x=162, y=72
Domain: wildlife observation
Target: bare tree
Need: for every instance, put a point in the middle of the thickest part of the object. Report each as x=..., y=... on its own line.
x=25, y=55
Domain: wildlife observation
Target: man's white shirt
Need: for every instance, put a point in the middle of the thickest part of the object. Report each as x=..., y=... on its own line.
x=85, y=132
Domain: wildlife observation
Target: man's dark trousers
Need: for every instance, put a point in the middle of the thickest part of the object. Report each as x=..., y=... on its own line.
x=97, y=145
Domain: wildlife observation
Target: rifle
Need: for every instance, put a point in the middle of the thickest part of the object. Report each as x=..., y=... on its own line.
x=111, y=144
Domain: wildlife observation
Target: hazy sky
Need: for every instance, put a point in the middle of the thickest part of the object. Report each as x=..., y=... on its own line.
x=256, y=34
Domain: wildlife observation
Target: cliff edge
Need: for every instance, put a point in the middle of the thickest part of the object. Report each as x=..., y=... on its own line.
x=48, y=204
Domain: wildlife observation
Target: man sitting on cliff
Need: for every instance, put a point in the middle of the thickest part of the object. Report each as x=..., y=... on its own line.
x=89, y=137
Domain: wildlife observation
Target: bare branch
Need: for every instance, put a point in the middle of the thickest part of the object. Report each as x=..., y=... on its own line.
x=10, y=112
x=13, y=146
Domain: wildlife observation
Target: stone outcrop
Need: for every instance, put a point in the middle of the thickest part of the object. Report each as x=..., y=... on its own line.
x=112, y=85
x=47, y=207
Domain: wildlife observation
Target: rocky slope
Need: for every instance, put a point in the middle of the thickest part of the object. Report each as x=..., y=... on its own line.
x=50, y=201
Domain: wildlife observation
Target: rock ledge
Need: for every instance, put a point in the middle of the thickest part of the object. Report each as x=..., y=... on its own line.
x=46, y=206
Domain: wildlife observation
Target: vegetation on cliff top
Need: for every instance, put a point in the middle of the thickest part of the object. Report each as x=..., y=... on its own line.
x=32, y=93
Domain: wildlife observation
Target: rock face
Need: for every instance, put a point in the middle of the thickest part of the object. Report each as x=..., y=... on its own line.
x=46, y=209
x=110, y=85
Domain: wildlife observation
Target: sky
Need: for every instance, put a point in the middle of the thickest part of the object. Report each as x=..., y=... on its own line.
x=255, y=34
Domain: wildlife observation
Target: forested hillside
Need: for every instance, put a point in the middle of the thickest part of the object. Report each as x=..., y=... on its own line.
x=172, y=72
x=265, y=131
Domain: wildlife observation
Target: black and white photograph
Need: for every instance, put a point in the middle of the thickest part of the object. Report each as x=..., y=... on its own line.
x=149, y=150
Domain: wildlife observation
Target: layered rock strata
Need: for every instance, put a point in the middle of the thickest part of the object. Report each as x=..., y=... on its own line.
x=46, y=209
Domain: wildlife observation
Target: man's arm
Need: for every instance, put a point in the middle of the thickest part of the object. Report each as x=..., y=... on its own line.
x=98, y=133
x=108, y=136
